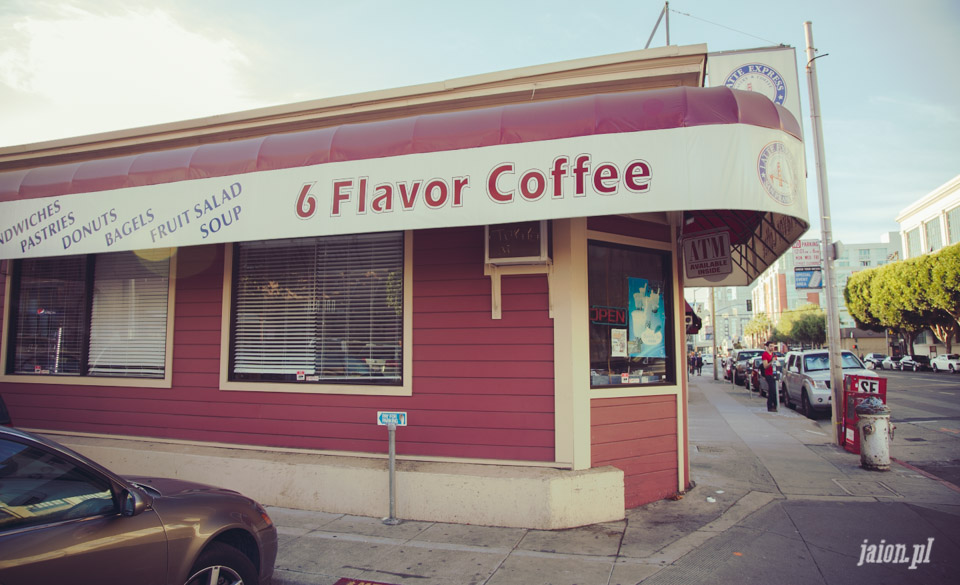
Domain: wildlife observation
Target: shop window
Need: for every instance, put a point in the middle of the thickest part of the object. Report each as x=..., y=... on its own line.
x=631, y=309
x=324, y=310
x=102, y=315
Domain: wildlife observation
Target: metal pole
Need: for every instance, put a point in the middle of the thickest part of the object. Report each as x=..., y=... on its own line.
x=666, y=12
x=655, y=27
x=713, y=326
x=392, y=520
x=826, y=233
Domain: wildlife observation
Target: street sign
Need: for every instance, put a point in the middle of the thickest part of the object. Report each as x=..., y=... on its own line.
x=808, y=277
x=392, y=418
x=806, y=254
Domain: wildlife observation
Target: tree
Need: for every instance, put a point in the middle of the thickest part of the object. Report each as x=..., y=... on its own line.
x=858, y=300
x=930, y=284
x=944, y=286
x=760, y=328
x=806, y=325
x=890, y=300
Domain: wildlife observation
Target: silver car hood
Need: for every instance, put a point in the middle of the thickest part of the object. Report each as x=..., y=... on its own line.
x=825, y=374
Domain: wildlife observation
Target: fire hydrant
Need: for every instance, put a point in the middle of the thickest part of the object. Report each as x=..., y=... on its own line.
x=876, y=432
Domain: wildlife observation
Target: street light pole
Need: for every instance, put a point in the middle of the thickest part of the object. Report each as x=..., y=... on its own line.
x=826, y=234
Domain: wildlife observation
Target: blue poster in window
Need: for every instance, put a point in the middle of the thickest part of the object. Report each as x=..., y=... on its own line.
x=647, y=319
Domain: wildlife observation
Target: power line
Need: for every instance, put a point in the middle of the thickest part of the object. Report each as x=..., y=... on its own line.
x=726, y=27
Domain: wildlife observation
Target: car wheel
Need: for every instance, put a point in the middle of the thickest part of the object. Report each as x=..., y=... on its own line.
x=805, y=404
x=934, y=366
x=916, y=367
x=952, y=370
x=786, y=398
x=222, y=564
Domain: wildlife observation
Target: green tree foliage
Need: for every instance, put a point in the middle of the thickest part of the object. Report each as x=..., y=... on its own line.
x=760, y=328
x=858, y=300
x=891, y=300
x=909, y=296
x=806, y=325
x=938, y=276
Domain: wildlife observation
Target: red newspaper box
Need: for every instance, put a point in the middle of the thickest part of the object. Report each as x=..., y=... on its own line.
x=856, y=389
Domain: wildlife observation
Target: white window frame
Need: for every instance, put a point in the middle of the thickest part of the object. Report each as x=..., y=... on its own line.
x=165, y=382
x=405, y=388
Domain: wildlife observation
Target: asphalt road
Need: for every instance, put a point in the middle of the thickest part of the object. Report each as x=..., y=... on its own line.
x=925, y=408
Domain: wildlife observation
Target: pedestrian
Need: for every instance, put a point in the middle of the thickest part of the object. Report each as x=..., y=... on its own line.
x=767, y=360
x=699, y=363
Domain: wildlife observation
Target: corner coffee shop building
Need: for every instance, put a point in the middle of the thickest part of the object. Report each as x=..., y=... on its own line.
x=502, y=257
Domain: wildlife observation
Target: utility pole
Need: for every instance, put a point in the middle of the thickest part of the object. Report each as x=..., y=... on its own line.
x=826, y=234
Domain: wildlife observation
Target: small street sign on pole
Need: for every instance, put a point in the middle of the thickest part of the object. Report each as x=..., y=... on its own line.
x=392, y=420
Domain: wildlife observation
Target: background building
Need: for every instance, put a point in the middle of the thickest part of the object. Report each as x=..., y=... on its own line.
x=927, y=225
x=932, y=222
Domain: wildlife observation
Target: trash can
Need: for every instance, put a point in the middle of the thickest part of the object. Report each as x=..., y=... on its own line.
x=875, y=432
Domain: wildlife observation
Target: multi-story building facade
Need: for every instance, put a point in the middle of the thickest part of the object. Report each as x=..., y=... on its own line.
x=927, y=225
x=932, y=222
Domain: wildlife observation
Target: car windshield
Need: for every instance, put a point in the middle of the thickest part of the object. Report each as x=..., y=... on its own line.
x=821, y=361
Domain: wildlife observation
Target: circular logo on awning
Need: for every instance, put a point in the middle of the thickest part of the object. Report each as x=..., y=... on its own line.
x=777, y=174
x=759, y=78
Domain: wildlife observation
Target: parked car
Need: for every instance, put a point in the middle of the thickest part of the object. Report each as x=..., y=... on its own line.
x=757, y=382
x=707, y=359
x=66, y=519
x=874, y=361
x=890, y=363
x=754, y=365
x=915, y=363
x=946, y=361
x=806, y=378
x=4, y=413
x=740, y=364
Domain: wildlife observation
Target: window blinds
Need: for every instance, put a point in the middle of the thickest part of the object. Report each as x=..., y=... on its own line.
x=319, y=309
x=128, y=324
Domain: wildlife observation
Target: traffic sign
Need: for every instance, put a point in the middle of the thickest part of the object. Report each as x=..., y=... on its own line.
x=392, y=418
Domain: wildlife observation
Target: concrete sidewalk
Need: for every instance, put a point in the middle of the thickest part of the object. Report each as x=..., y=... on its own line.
x=775, y=503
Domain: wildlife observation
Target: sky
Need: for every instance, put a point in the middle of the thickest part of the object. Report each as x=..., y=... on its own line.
x=887, y=69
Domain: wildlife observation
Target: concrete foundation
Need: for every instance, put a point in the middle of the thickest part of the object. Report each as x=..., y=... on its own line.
x=464, y=493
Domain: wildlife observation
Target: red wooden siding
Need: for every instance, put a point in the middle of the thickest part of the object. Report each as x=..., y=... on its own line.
x=495, y=375
x=481, y=388
x=639, y=436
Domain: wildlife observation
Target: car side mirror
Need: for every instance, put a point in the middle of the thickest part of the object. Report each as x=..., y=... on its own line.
x=134, y=502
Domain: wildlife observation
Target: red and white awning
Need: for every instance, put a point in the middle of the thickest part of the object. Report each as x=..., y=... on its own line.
x=710, y=152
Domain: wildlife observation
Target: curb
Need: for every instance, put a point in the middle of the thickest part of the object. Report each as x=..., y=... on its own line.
x=742, y=508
